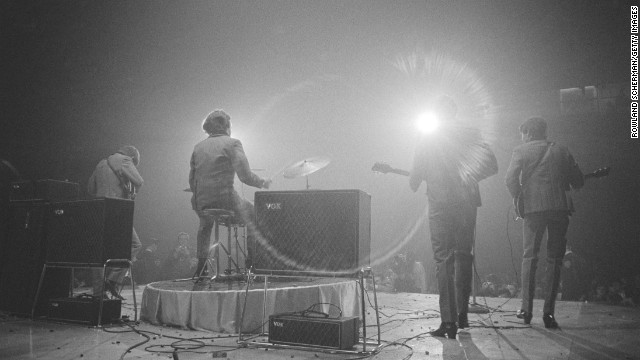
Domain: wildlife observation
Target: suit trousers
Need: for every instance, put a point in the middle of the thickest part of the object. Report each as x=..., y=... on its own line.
x=556, y=224
x=452, y=235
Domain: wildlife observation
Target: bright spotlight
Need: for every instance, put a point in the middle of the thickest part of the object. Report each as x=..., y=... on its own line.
x=427, y=123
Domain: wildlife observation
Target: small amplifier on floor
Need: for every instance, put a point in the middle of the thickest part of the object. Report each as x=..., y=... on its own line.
x=84, y=310
x=332, y=333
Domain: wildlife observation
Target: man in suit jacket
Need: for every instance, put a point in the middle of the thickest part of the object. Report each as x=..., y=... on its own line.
x=215, y=161
x=114, y=174
x=543, y=171
x=117, y=177
x=452, y=161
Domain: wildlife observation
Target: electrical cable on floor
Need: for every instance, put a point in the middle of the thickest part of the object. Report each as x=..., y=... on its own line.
x=176, y=346
x=147, y=339
x=388, y=344
x=396, y=342
x=390, y=321
x=493, y=310
x=496, y=309
x=311, y=310
x=515, y=271
x=391, y=307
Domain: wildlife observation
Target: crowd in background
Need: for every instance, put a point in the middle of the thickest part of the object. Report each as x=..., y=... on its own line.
x=177, y=262
x=625, y=291
x=153, y=263
x=403, y=274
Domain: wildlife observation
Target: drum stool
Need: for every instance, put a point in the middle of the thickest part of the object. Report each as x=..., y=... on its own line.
x=228, y=219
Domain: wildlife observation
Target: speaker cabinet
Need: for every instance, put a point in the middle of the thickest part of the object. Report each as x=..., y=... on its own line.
x=47, y=190
x=23, y=253
x=89, y=231
x=319, y=231
x=84, y=310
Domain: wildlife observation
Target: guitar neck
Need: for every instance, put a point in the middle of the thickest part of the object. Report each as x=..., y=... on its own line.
x=598, y=173
x=400, y=172
x=385, y=168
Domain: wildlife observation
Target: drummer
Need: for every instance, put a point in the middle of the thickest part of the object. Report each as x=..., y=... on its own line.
x=214, y=163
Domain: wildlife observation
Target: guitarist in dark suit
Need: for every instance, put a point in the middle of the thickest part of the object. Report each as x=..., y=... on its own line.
x=540, y=174
x=452, y=161
x=116, y=177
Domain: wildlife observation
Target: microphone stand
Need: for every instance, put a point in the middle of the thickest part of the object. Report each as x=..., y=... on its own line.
x=474, y=307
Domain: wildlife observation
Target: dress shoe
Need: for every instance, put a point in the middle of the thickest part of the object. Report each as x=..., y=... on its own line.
x=527, y=316
x=549, y=321
x=446, y=328
x=463, y=320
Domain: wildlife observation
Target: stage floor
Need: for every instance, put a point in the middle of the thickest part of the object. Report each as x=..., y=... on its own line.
x=588, y=331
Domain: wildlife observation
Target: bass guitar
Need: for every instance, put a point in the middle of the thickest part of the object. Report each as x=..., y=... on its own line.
x=518, y=201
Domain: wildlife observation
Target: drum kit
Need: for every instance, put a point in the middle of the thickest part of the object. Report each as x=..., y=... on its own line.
x=300, y=168
x=305, y=168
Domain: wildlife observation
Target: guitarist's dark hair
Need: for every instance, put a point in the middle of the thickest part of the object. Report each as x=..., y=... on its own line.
x=535, y=127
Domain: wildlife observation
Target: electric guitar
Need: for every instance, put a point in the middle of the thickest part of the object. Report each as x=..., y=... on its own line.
x=129, y=190
x=518, y=201
x=385, y=168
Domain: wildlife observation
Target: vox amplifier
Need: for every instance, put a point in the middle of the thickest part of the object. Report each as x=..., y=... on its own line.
x=84, y=310
x=327, y=231
x=89, y=231
x=45, y=190
x=338, y=333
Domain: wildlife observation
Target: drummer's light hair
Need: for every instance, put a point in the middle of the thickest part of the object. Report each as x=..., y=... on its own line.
x=217, y=122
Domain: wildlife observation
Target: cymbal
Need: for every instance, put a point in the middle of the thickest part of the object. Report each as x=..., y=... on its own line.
x=306, y=167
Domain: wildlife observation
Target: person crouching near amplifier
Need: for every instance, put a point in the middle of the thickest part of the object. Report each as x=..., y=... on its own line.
x=215, y=161
x=116, y=177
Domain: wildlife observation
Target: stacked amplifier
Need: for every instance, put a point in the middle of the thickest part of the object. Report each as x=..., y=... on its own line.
x=47, y=222
x=43, y=190
x=23, y=246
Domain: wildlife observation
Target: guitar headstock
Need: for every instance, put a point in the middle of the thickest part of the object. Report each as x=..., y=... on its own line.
x=381, y=167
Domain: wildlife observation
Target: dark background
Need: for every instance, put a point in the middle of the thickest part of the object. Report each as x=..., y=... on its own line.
x=343, y=79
